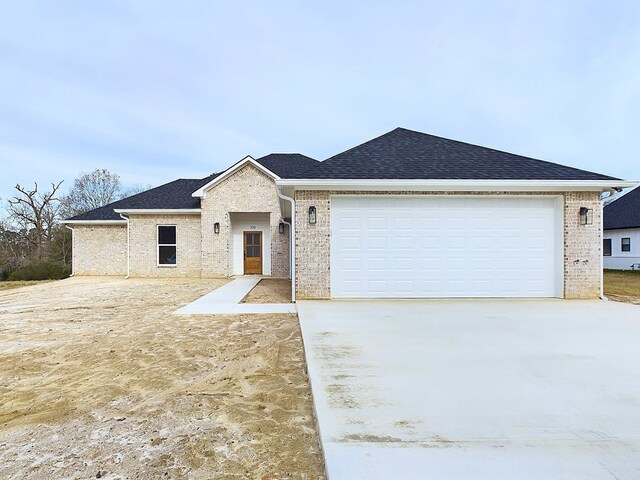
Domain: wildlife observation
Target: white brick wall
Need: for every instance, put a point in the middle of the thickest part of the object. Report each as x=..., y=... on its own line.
x=313, y=277
x=582, y=246
x=143, y=237
x=99, y=250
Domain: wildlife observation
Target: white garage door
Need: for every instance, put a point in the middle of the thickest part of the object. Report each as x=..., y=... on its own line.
x=445, y=246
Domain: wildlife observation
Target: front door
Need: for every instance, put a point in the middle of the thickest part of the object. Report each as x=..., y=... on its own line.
x=252, y=252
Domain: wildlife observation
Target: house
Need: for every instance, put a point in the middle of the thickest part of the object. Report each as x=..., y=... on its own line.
x=405, y=215
x=621, y=236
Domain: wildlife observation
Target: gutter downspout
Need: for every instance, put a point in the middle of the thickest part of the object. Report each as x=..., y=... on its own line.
x=124, y=217
x=73, y=249
x=292, y=242
x=612, y=193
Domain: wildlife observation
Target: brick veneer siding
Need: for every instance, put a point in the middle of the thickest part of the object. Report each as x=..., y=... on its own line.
x=246, y=191
x=143, y=238
x=313, y=276
x=581, y=242
x=99, y=250
x=582, y=246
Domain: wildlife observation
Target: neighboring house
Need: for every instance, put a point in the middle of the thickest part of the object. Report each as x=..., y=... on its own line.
x=405, y=215
x=621, y=236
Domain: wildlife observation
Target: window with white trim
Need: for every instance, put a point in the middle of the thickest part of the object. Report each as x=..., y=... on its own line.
x=167, y=245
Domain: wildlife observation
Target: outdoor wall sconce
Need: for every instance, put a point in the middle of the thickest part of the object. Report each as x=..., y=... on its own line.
x=216, y=228
x=586, y=216
x=312, y=215
x=281, y=228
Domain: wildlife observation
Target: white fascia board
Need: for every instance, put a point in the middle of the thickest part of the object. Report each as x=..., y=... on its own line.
x=248, y=160
x=94, y=222
x=157, y=211
x=455, y=185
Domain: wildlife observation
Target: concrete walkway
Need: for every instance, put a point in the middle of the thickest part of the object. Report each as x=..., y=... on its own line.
x=475, y=389
x=225, y=300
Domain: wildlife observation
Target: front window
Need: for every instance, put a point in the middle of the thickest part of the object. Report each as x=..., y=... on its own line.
x=626, y=244
x=606, y=247
x=167, y=245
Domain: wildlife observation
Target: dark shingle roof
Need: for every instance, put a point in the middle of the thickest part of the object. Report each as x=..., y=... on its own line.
x=286, y=165
x=399, y=154
x=623, y=212
x=172, y=195
x=177, y=194
x=406, y=154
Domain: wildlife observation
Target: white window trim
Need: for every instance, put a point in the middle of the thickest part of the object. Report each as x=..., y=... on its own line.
x=158, y=245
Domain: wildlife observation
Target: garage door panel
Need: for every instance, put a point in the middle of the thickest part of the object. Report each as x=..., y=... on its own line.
x=377, y=264
x=386, y=246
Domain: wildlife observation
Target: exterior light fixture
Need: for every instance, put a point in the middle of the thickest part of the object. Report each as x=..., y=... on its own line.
x=313, y=218
x=586, y=216
x=216, y=228
x=281, y=227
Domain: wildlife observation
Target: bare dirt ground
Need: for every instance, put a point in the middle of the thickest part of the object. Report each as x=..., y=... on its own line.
x=270, y=290
x=99, y=379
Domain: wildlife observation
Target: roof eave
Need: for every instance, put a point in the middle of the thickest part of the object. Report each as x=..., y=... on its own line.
x=623, y=228
x=158, y=211
x=94, y=222
x=454, y=185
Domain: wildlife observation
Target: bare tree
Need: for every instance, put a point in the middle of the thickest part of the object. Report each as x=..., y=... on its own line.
x=13, y=249
x=61, y=248
x=91, y=190
x=134, y=189
x=35, y=214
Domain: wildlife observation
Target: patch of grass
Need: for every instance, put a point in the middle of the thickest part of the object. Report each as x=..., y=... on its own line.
x=622, y=282
x=8, y=285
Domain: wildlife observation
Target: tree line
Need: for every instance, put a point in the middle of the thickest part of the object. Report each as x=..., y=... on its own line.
x=34, y=243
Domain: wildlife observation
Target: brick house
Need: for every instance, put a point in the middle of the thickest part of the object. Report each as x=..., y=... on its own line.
x=405, y=215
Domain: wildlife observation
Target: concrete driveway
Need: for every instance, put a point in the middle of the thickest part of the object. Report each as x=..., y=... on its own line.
x=476, y=389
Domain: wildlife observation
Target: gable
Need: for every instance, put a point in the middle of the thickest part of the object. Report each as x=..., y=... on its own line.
x=248, y=189
x=239, y=166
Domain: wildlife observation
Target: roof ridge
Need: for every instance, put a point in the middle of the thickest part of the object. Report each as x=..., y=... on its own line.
x=285, y=153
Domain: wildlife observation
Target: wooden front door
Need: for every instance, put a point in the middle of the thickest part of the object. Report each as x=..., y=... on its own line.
x=252, y=252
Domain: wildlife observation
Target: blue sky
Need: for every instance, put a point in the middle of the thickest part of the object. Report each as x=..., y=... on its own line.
x=160, y=90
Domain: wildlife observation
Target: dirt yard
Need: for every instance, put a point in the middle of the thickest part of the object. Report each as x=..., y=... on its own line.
x=99, y=379
x=270, y=290
x=622, y=286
